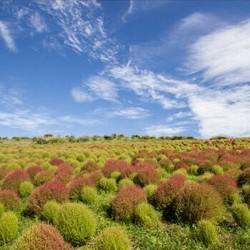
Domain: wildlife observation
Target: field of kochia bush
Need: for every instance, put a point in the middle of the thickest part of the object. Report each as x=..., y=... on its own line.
x=121, y=195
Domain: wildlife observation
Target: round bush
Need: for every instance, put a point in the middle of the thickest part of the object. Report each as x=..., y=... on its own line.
x=9, y=199
x=147, y=175
x=40, y=237
x=14, y=179
x=241, y=215
x=26, y=189
x=197, y=202
x=217, y=169
x=207, y=233
x=53, y=190
x=150, y=190
x=167, y=191
x=126, y=201
x=89, y=195
x=77, y=185
x=8, y=227
x=43, y=177
x=113, y=238
x=108, y=185
x=146, y=215
x=224, y=184
x=50, y=211
x=33, y=170
x=125, y=182
x=76, y=222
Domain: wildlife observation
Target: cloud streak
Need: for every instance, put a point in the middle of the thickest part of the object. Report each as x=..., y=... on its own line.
x=6, y=36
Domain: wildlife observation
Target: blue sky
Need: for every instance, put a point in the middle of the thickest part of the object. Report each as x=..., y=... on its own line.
x=133, y=67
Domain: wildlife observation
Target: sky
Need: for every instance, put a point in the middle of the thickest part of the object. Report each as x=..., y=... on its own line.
x=90, y=67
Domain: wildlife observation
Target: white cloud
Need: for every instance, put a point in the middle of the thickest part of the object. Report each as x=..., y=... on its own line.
x=9, y=97
x=129, y=113
x=223, y=56
x=96, y=87
x=37, y=22
x=77, y=120
x=6, y=36
x=163, y=130
x=25, y=119
x=142, y=5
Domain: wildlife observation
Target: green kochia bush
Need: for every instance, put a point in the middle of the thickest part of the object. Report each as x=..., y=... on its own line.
x=206, y=232
x=50, y=211
x=1, y=209
x=76, y=222
x=197, y=202
x=89, y=195
x=8, y=227
x=146, y=215
x=41, y=237
x=108, y=185
x=25, y=189
x=113, y=238
x=241, y=214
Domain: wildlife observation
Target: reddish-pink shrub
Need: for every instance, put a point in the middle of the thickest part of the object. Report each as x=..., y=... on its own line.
x=224, y=184
x=3, y=172
x=90, y=166
x=167, y=191
x=197, y=202
x=56, y=161
x=43, y=177
x=64, y=173
x=147, y=175
x=41, y=236
x=14, y=179
x=96, y=176
x=112, y=165
x=181, y=164
x=126, y=201
x=54, y=190
x=77, y=185
x=33, y=170
x=9, y=199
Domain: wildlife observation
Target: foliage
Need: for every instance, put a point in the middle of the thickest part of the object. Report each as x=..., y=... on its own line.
x=50, y=211
x=41, y=236
x=43, y=177
x=126, y=201
x=113, y=238
x=89, y=195
x=198, y=202
x=8, y=227
x=108, y=184
x=76, y=222
x=146, y=215
x=241, y=214
x=10, y=199
x=25, y=189
x=53, y=190
x=147, y=175
x=207, y=233
x=14, y=179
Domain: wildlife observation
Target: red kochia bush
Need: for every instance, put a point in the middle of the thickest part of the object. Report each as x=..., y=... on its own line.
x=33, y=170
x=14, y=179
x=113, y=165
x=167, y=191
x=54, y=190
x=147, y=175
x=43, y=177
x=9, y=199
x=96, y=176
x=198, y=202
x=56, y=161
x=126, y=201
x=224, y=184
x=181, y=164
x=64, y=173
x=41, y=236
x=77, y=185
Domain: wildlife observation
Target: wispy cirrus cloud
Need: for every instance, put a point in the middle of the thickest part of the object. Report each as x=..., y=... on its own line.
x=5, y=34
x=223, y=56
x=95, y=87
x=142, y=5
x=38, y=22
